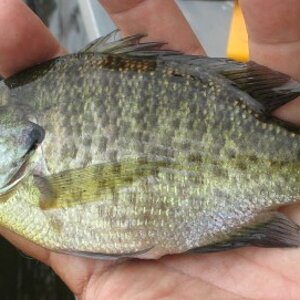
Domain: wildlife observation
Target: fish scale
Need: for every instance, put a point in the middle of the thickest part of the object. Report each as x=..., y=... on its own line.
x=150, y=152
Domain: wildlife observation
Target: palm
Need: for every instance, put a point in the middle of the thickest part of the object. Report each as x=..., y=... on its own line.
x=274, y=273
x=231, y=275
x=250, y=273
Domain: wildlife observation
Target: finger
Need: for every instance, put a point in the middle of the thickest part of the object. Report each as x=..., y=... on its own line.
x=161, y=20
x=25, y=40
x=27, y=247
x=274, y=33
x=274, y=40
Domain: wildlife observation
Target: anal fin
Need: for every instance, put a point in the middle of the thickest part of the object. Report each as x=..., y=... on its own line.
x=277, y=231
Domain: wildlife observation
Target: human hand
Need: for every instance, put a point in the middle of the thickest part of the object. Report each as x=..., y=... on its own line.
x=239, y=274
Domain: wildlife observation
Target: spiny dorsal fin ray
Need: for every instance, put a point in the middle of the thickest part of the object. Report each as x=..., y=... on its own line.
x=129, y=45
x=275, y=230
x=99, y=42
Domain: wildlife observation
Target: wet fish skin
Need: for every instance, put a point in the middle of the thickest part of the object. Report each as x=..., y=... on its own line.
x=152, y=155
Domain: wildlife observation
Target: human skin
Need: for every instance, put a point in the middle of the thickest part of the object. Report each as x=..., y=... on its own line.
x=252, y=273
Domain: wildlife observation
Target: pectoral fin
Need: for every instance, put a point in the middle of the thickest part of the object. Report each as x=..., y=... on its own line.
x=276, y=231
x=79, y=186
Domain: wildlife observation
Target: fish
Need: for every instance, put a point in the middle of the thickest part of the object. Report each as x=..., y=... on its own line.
x=127, y=150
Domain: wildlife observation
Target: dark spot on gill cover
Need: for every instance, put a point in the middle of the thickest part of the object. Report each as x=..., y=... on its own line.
x=36, y=136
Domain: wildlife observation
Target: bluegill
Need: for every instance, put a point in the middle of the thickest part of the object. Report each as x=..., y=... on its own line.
x=128, y=150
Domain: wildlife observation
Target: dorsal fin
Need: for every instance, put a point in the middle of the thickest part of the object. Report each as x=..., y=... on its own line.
x=262, y=89
x=266, y=89
x=271, y=89
x=129, y=45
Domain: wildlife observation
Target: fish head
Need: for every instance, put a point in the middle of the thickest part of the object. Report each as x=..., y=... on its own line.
x=19, y=140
